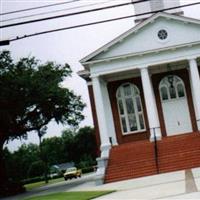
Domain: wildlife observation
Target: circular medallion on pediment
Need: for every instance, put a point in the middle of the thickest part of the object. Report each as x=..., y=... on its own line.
x=162, y=34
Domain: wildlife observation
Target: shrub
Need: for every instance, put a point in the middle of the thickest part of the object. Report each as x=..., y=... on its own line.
x=36, y=169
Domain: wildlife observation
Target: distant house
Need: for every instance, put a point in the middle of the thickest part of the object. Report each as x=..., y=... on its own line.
x=144, y=86
x=62, y=167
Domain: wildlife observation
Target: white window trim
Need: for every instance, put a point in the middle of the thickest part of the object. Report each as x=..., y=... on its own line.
x=125, y=115
x=168, y=93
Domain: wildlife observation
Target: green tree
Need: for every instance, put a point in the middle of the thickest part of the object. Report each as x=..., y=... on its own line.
x=85, y=143
x=18, y=162
x=36, y=168
x=30, y=97
x=80, y=146
x=41, y=132
x=53, y=150
x=69, y=145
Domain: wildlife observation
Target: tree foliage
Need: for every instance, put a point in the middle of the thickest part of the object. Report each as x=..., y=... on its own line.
x=77, y=147
x=19, y=162
x=30, y=97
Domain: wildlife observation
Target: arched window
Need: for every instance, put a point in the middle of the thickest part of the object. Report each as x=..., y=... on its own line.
x=171, y=87
x=130, y=108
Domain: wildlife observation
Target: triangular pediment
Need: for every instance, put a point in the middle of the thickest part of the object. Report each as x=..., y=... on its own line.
x=144, y=37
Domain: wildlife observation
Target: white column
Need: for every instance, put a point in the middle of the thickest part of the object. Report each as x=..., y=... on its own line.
x=109, y=115
x=101, y=116
x=195, y=86
x=151, y=107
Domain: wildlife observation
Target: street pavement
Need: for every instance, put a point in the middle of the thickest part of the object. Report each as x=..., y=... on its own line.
x=54, y=188
x=183, y=184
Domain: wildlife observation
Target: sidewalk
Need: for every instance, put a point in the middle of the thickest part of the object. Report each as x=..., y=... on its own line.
x=183, y=184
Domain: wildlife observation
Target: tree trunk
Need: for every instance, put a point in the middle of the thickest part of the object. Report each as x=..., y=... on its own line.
x=46, y=173
x=3, y=179
x=7, y=187
x=43, y=158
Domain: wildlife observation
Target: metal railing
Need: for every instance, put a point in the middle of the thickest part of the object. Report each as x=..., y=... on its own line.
x=156, y=150
x=198, y=120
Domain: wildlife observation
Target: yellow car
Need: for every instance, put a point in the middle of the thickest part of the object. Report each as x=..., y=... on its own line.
x=72, y=172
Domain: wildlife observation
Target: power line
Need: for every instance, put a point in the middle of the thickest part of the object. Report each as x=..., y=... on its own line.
x=55, y=11
x=39, y=7
x=100, y=22
x=72, y=14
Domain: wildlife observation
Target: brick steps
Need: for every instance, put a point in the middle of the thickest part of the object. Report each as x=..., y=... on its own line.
x=133, y=160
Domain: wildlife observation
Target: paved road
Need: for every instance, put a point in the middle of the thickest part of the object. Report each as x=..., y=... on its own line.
x=53, y=188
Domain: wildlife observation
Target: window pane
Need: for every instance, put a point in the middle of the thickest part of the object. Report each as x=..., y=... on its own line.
x=121, y=109
x=135, y=91
x=127, y=90
x=180, y=89
x=119, y=93
x=129, y=105
x=164, y=94
x=132, y=123
x=141, y=121
x=139, y=107
x=172, y=92
x=124, y=124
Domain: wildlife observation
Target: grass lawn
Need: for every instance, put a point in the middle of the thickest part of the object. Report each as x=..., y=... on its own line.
x=71, y=195
x=31, y=186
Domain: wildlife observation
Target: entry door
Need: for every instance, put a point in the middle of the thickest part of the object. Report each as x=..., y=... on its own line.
x=175, y=106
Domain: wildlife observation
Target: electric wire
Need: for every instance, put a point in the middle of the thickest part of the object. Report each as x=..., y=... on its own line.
x=38, y=7
x=55, y=11
x=100, y=22
x=72, y=14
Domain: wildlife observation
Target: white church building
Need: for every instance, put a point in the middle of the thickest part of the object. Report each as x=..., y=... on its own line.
x=144, y=88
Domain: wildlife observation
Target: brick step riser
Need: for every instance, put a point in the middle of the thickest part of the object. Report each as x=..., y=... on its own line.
x=112, y=179
x=188, y=155
x=167, y=141
x=172, y=150
x=130, y=169
x=160, y=157
x=164, y=160
x=162, y=170
x=149, y=158
x=117, y=177
x=138, y=151
x=130, y=157
x=179, y=167
x=179, y=161
x=137, y=160
x=132, y=174
x=130, y=163
x=178, y=145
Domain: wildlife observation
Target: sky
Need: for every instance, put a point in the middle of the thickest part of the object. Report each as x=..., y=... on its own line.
x=67, y=46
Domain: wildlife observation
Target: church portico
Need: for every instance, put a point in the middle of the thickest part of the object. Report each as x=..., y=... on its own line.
x=145, y=89
x=182, y=100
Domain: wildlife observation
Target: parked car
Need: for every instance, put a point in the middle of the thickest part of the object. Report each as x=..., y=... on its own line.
x=72, y=172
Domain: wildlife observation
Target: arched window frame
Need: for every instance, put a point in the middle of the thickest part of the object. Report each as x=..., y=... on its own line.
x=137, y=107
x=165, y=83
